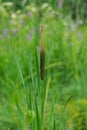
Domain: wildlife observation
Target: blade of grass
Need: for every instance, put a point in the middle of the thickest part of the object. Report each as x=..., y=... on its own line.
x=37, y=116
x=18, y=66
x=45, y=98
x=54, y=127
x=37, y=68
x=30, y=66
x=20, y=114
x=29, y=99
x=51, y=116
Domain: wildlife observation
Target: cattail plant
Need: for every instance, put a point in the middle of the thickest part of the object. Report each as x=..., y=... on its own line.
x=42, y=54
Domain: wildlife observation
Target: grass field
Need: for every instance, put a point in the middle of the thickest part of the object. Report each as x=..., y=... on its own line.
x=59, y=101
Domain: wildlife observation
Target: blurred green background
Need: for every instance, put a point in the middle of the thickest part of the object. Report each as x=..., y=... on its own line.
x=65, y=36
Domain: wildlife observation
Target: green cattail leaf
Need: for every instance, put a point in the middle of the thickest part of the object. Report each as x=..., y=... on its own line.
x=37, y=67
x=30, y=66
x=37, y=116
x=51, y=116
x=46, y=95
x=20, y=114
x=54, y=128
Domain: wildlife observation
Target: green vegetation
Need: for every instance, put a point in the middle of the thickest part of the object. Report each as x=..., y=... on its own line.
x=59, y=101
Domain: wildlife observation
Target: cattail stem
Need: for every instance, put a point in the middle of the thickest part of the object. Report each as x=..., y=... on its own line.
x=42, y=55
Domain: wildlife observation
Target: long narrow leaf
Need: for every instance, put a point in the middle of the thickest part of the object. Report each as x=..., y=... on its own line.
x=18, y=66
x=37, y=116
x=45, y=98
x=20, y=114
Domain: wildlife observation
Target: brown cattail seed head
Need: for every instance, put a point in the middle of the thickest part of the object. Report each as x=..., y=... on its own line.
x=42, y=64
x=42, y=55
